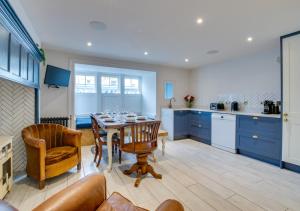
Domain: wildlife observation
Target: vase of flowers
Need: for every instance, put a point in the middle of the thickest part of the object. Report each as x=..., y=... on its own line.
x=189, y=100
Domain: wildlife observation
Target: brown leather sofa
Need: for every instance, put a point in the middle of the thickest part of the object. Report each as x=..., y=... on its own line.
x=51, y=150
x=89, y=194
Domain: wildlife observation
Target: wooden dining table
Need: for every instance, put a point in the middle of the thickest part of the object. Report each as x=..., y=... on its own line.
x=112, y=128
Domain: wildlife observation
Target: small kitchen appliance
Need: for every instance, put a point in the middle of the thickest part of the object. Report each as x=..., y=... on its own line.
x=269, y=107
x=217, y=106
x=234, y=106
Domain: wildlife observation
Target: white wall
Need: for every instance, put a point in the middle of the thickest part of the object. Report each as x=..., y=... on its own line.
x=253, y=78
x=59, y=102
x=149, y=90
x=17, y=6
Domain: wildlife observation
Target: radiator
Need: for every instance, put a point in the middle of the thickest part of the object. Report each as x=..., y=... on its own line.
x=56, y=120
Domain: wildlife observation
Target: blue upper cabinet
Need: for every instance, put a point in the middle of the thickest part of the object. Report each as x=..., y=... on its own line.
x=260, y=138
x=15, y=52
x=4, y=48
x=19, y=55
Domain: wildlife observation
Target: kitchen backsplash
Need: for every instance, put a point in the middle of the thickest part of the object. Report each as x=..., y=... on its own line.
x=247, y=102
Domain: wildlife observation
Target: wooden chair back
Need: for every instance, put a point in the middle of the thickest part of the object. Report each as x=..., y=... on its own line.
x=143, y=137
x=95, y=128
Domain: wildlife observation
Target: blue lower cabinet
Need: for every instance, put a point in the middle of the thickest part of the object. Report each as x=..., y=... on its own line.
x=200, y=126
x=181, y=124
x=259, y=138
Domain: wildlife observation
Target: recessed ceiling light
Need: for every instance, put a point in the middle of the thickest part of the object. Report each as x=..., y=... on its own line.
x=89, y=44
x=186, y=60
x=199, y=20
x=250, y=39
x=146, y=53
x=98, y=25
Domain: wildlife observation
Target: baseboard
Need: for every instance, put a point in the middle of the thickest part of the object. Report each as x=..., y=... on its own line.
x=290, y=166
x=259, y=157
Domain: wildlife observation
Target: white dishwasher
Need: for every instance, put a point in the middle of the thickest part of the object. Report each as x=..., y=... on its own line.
x=223, y=131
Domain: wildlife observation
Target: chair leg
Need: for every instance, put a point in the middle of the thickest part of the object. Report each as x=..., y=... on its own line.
x=141, y=167
x=41, y=184
x=138, y=178
x=96, y=152
x=100, y=155
x=153, y=173
x=120, y=156
x=79, y=166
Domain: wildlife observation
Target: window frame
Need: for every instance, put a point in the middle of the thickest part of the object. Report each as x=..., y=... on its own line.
x=133, y=77
x=87, y=75
x=111, y=75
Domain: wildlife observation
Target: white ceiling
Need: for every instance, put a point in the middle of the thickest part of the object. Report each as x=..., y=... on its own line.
x=167, y=29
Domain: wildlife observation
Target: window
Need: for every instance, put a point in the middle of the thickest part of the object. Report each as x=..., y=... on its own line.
x=131, y=86
x=85, y=84
x=169, y=90
x=110, y=85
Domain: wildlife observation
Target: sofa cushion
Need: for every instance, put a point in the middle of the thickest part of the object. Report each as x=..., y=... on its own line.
x=57, y=154
x=117, y=202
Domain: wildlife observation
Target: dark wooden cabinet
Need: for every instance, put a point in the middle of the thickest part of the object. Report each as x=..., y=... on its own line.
x=4, y=48
x=260, y=138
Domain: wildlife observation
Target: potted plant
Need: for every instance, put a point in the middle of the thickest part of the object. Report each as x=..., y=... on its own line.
x=189, y=100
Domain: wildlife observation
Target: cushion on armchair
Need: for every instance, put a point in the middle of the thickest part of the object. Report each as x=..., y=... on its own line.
x=57, y=154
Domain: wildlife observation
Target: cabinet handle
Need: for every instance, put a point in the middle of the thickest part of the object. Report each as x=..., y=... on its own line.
x=255, y=118
x=255, y=137
x=199, y=112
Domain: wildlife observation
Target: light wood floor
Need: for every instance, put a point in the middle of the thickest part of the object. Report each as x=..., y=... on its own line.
x=198, y=175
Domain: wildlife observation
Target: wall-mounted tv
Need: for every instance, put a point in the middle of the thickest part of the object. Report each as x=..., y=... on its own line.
x=56, y=77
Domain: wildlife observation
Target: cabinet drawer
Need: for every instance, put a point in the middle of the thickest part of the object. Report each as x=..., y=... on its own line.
x=203, y=118
x=200, y=132
x=260, y=125
x=259, y=145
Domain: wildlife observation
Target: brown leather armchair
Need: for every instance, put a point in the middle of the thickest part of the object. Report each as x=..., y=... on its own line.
x=51, y=150
x=89, y=194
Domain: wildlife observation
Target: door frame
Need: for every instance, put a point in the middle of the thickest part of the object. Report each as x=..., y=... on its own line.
x=284, y=164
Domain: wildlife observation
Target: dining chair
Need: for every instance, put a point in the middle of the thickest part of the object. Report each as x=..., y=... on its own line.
x=101, y=139
x=142, y=142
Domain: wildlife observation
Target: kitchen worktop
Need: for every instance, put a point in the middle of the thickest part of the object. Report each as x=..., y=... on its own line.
x=246, y=113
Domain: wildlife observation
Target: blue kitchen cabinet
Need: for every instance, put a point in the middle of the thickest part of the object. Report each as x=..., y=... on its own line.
x=181, y=124
x=19, y=55
x=260, y=138
x=4, y=48
x=200, y=126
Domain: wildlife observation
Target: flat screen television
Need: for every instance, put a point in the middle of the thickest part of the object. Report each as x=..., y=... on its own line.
x=57, y=77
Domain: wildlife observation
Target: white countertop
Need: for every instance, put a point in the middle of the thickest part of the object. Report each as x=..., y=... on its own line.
x=246, y=113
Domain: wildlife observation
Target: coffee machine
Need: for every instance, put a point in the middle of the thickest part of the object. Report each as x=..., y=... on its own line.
x=234, y=106
x=269, y=107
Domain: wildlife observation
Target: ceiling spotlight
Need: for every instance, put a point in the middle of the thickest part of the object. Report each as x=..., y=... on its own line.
x=89, y=44
x=186, y=60
x=250, y=39
x=146, y=53
x=199, y=20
